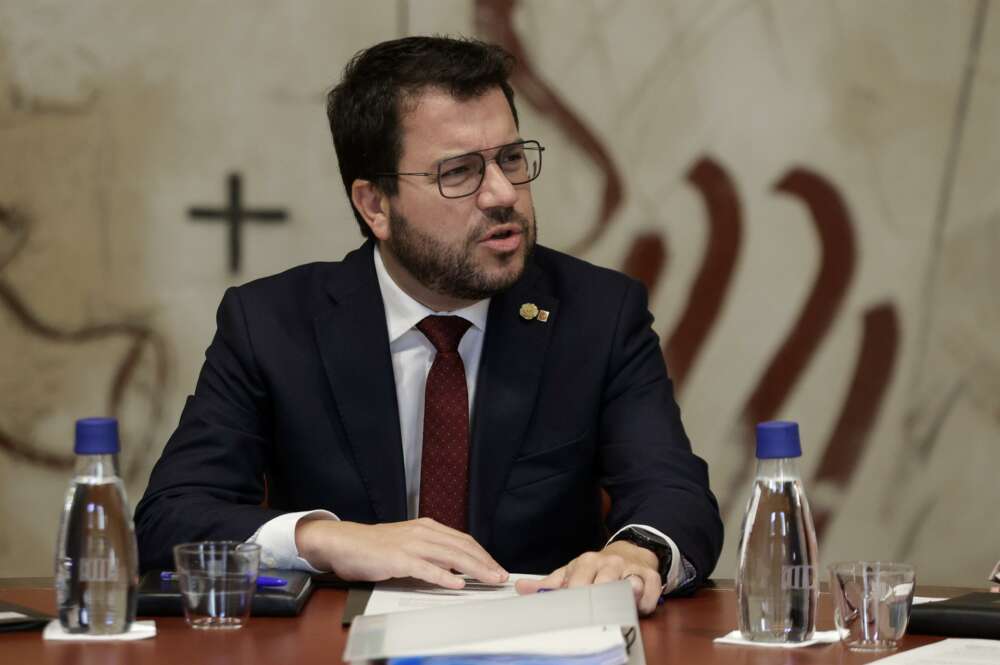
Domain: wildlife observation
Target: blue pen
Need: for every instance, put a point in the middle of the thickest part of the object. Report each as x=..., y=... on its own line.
x=262, y=580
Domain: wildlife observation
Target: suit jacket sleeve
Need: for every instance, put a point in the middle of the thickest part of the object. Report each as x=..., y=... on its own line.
x=209, y=482
x=648, y=467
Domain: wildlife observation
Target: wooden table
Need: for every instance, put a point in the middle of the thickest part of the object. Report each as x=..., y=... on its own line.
x=679, y=632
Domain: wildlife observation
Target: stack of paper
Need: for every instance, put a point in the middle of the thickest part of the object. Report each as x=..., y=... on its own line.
x=592, y=645
x=582, y=626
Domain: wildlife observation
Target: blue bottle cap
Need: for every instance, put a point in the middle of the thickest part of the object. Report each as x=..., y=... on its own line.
x=96, y=436
x=778, y=438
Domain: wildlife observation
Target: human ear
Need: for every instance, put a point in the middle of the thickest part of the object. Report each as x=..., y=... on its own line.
x=373, y=205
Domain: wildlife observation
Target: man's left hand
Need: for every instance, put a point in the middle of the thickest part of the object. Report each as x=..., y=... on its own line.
x=618, y=561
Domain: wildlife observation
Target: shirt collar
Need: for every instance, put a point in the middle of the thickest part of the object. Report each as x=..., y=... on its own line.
x=402, y=312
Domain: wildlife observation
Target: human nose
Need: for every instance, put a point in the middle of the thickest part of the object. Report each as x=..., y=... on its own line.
x=495, y=190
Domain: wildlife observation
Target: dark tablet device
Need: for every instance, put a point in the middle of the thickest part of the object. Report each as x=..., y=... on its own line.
x=160, y=597
x=970, y=615
x=15, y=617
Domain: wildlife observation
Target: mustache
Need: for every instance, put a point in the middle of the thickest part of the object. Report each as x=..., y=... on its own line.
x=507, y=215
x=498, y=216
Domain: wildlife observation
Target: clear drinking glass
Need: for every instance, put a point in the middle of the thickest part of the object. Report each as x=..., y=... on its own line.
x=217, y=580
x=871, y=601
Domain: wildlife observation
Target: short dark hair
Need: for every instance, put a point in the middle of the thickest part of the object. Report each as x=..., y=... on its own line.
x=365, y=109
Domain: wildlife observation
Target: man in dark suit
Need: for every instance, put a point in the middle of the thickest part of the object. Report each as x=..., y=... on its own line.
x=333, y=423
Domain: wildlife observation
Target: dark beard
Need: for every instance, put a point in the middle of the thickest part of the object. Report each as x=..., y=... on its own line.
x=452, y=272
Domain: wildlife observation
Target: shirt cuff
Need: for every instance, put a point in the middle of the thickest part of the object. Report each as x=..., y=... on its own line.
x=681, y=571
x=276, y=538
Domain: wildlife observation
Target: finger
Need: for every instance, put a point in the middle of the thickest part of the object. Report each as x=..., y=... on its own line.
x=646, y=602
x=450, y=558
x=638, y=586
x=609, y=572
x=427, y=530
x=428, y=572
x=440, y=534
x=554, y=580
x=583, y=569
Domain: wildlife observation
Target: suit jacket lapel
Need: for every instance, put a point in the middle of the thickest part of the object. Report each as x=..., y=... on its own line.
x=507, y=387
x=354, y=345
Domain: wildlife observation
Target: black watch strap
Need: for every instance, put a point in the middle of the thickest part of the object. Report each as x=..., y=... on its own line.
x=651, y=542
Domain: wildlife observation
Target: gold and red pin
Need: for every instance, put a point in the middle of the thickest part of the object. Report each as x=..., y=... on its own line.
x=529, y=311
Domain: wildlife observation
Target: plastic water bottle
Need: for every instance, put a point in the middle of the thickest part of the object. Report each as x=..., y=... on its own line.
x=777, y=583
x=97, y=561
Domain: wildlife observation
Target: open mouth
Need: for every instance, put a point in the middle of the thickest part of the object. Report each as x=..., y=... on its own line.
x=503, y=239
x=503, y=233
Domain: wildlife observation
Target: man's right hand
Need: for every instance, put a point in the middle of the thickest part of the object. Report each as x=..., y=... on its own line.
x=420, y=548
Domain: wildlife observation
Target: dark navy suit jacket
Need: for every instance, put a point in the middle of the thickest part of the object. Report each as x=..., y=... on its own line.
x=295, y=409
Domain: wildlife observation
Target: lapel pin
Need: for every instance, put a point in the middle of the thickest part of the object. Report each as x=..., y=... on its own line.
x=528, y=311
x=543, y=315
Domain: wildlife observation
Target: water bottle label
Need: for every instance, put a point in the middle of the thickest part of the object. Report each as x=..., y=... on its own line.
x=98, y=569
x=798, y=577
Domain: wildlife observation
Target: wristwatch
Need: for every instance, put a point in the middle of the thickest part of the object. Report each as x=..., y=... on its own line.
x=651, y=542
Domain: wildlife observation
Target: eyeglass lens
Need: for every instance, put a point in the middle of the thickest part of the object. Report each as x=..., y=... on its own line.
x=462, y=175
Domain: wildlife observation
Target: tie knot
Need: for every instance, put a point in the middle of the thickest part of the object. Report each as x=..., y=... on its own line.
x=444, y=332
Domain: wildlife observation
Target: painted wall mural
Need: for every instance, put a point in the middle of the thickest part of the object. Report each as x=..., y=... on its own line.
x=136, y=340
x=807, y=191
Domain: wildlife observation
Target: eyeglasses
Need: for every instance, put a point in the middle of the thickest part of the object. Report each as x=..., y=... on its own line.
x=520, y=162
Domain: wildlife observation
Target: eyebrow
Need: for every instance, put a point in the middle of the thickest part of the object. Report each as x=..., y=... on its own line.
x=480, y=150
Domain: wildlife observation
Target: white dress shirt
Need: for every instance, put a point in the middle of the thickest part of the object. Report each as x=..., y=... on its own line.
x=412, y=355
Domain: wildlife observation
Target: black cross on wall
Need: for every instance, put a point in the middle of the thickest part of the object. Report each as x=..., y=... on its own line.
x=235, y=214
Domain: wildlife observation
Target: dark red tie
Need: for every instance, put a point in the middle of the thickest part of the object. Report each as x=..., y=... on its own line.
x=444, y=463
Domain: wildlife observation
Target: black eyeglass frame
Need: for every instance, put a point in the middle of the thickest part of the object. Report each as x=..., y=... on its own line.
x=482, y=173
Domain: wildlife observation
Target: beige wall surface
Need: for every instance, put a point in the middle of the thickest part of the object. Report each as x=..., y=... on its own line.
x=808, y=190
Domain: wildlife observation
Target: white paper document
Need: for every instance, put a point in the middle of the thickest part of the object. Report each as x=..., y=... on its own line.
x=5, y=616
x=140, y=630
x=919, y=600
x=819, y=637
x=949, y=652
x=411, y=594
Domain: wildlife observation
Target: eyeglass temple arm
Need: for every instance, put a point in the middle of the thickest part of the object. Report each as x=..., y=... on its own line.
x=376, y=175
